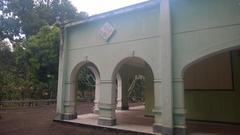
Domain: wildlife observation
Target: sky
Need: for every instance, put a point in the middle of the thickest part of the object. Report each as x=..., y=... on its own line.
x=93, y=7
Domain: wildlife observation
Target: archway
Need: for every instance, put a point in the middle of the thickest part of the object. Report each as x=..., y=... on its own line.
x=135, y=91
x=212, y=93
x=85, y=86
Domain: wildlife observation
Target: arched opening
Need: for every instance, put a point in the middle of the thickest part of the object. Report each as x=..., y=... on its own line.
x=212, y=93
x=85, y=87
x=133, y=79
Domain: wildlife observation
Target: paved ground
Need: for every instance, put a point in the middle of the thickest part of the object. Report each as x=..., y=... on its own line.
x=131, y=120
x=38, y=121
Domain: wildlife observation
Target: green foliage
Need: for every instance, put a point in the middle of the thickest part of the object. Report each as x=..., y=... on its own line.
x=28, y=16
x=9, y=24
x=8, y=82
x=30, y=69
x=86, y=79
x=86, y=82
x=136, y=89
x=42, y=52
x=38, y=59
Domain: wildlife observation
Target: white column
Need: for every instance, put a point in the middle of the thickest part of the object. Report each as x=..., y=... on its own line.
x=97, y=96
x=61, y=74
x=165, y=125
x=70, y=102
x=157, y=110
x=179, y=107
x=107, y=104
x=119, y=91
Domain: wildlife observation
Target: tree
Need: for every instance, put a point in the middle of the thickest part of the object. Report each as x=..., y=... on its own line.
x=28, y=16
x=37, y=59
x=9, y=24
x=85, y=81
x=31, y=68
x=7, y=73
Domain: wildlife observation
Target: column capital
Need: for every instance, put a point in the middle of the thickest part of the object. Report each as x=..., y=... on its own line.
x=106, y=106
x=177, y=79
x=157, y=80
x=157, y=110
x=68, y=82
x=69, y=103
x=105, y=81
x=179, y=111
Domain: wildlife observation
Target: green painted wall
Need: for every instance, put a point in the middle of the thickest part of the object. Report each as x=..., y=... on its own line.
x=223, y=106
x=135, y=31
x=202, y=28
x=199, y=28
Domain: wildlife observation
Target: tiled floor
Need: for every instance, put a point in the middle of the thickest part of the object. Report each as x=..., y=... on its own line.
x=134, y=120
x=131, y=120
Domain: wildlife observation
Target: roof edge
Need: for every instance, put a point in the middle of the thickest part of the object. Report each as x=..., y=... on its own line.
x=119, y=11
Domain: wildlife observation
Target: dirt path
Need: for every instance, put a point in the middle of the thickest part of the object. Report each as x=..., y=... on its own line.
x=38, y=121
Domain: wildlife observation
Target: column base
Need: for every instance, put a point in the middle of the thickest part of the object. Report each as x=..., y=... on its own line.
x=119, y=104
x=124, y=108
x=107, y=121
x=162, y=130
x=119, y=108
x=180, y=131
x=65, y=116
x=57, y=117
x=96, y=107
x=96, y=111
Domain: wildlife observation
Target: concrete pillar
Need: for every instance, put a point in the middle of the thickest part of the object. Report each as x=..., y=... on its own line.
x=119, y=91
x=163, y=110
x=97, y=97
x=107, y=104
x=157, y=106
x=178, y=108
x=61, y=73
x=69, y=102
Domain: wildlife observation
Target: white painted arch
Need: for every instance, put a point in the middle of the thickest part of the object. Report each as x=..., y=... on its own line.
x=72, y=91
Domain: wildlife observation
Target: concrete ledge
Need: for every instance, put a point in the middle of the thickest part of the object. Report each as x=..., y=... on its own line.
x=65, y=116
x=107, y=122
x=124, y=108
x=96, y=111
x=179, y=131
x=157, y=128
x=162, y=130
x=103, y=128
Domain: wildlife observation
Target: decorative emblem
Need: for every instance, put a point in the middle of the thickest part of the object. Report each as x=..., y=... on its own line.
x=106, y=31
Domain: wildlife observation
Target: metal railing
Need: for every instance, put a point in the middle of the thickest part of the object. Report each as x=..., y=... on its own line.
x=13, y=104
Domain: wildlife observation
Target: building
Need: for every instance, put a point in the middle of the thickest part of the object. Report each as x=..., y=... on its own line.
x=170, y=43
